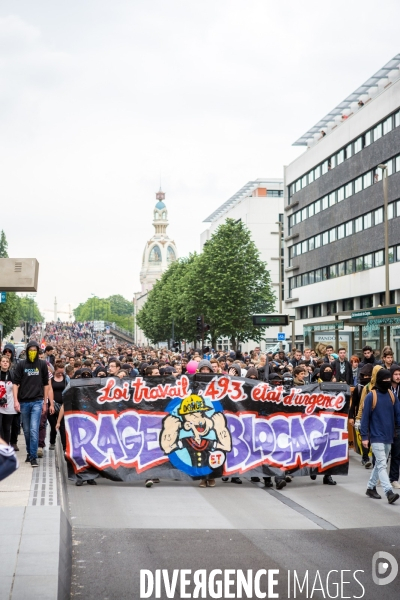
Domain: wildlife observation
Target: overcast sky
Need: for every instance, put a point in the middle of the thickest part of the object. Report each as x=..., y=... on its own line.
x=97, y=98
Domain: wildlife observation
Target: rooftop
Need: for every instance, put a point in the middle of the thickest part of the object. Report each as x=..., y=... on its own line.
x=382, y=78
x=244, y=192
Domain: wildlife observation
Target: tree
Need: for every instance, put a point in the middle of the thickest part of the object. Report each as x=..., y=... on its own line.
x=227, y=283
x=232, y=284
x=115, y=309
x=9, y=309
x=29, y=311
x=168, y=304
x=3, y=245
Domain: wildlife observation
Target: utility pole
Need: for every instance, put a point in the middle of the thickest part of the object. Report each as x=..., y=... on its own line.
x=280, y=224
x=386, y=231
x=202, y=336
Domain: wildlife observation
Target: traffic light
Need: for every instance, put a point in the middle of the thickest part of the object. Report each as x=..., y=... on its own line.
x=199, y=324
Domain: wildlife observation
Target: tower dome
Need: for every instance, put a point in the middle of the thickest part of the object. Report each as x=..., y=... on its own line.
x=160, y=251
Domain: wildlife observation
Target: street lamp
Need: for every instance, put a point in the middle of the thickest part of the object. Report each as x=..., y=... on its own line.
x=280, y=226
x=386, y=231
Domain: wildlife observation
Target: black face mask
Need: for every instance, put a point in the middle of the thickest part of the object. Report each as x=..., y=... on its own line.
x=384, y=386
x=326, y=375
x=364, y=380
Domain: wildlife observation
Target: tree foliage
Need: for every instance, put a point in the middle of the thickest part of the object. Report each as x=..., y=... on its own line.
x=29, y=310
x=227, y=283
x=9, y=310
x=115, y=309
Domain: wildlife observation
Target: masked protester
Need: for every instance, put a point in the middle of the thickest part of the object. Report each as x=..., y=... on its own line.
x=31, y=381
x=380, y=418
x=394, y=472
x=326, y=373
x=364, y=378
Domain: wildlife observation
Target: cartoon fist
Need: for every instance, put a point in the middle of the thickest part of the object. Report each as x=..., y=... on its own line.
x=170, y=433
x=219, y=421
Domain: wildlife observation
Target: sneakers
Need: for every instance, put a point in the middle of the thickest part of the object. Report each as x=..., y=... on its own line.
x=280, y=484
x=366, y=463
x=34, y=463
x=288, y=478
x=236, y=480
x=156, y=480
x=225, y=479
x=149, y=483
x=255, y=479
x=210, y=482
x=395, y=484
x=267, y=482
x=313, y=477
x=52, y=446
x=327, y=480
x=28, y=458
x=392, y=497
x=15, y=447
x=40, y=452
x=202, y=484
x=372, y=493
x=91, y=482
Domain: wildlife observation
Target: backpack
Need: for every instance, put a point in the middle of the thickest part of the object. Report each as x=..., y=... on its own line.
x=375, y=398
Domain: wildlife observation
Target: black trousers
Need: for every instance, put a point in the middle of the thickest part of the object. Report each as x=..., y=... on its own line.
x=394, y=472
x=52, y=419
x=5, y=427
x=15, y=428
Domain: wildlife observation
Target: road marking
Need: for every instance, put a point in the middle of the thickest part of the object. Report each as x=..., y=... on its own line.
x=300, y=509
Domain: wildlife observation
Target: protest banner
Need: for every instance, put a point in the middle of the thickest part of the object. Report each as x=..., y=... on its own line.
x=204, y=426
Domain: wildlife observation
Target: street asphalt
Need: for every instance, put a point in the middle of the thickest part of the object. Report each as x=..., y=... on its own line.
x=119, y=529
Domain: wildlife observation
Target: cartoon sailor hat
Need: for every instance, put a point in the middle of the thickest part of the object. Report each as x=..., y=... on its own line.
x=193, y=404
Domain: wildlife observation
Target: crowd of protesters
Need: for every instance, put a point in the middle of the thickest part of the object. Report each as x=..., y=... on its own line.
x=33, y=387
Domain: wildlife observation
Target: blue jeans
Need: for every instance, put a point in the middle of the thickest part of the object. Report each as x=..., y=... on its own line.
x=381, y=453
x=31, y=413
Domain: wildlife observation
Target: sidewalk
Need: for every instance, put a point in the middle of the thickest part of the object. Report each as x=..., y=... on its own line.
x=35, y=535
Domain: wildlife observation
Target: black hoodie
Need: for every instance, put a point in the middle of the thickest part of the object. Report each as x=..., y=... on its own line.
x=31, y=377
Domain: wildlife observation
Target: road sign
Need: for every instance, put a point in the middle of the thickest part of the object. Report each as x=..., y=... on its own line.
x=270, y=320
x=376, y=312
x=3, y=297
x=281, y=337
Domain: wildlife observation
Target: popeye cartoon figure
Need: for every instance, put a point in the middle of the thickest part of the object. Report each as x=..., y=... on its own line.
x=205, y=439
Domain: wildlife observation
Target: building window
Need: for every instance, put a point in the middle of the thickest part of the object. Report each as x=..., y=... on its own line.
x=171, y=257
x=349, y=189
x=332, y=198
x=317, y=172
x=379, y=258
x=368, y=261
x=367, y=179
x=349, y=151
x=332, y=235
x=316, y=310
x=325, y=202
x=382, y=298
x=318, y=275
x=378, y=132
x=359, y=264
x=332, y=271
x=378, y=216
x=304, y=312
x=368, y=138
x=387, y=125
x=349, y=228
x=367, y=220
x=317, y=204
x=358, y=145
x=325, y=238
x=350, y=266
x=340, y=157
x=348, y=304
x=341, y=269
x=155, y=255
x=358, y=185
x=391, y=210
x=340, y=194
x=340, y=232
x=330, y=308
x=358, y=225
x=367, y=301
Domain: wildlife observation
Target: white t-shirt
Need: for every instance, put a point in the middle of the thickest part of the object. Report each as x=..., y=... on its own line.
x=7, y=409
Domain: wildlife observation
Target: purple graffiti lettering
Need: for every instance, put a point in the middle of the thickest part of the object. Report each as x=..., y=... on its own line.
x=315, y=428
x=300, y=445
x=264, y=436
x=108, y=439
x=81, y=431
x=254, y=455
x=240, y=449
x=337, y=447
x=128, y=428
x=150, y=427
x=283, y=449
